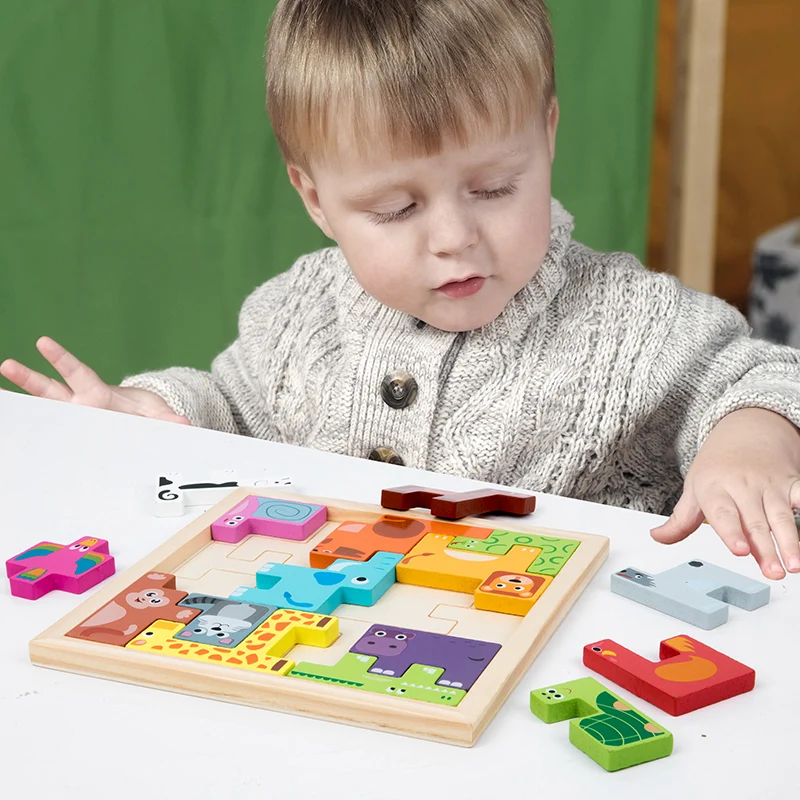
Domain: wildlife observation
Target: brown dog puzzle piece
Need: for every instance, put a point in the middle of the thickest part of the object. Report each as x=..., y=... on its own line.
x=457, y=505
x=146, y=600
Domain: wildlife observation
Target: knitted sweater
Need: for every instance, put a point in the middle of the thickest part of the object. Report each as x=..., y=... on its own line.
x=600, y=379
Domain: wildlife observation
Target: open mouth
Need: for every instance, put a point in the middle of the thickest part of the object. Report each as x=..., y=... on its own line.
x=465, y=288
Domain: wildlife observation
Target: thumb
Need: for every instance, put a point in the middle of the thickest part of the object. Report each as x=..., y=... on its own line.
x=685, y=520
x=794, y=495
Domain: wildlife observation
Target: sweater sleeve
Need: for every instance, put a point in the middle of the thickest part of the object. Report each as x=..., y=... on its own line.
x=229, y=398
x=710, y=366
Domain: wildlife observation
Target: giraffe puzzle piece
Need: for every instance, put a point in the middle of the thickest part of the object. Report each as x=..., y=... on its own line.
x=605, y=727
x=282, y=519
x=695, y=592
x=152, y=597
x=322, y=590
x=353, y=670
x=689, y=675
x=457, y=505
x=46, y=566
x=462, y=660
x=222, y=622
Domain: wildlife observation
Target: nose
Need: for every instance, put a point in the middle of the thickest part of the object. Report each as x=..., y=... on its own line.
x=452, y=229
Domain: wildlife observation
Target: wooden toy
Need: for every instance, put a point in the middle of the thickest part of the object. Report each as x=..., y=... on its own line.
x=688, y=676
x=510, y=593
x=695, y=592
x=46, y=566
x=457, y=505
x=604, y=726
x=420, y=661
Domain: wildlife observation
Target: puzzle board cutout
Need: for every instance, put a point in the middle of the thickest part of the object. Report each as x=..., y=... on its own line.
x=340, y=657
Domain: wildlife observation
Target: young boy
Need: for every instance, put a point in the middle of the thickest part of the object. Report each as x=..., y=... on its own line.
x=457, y=327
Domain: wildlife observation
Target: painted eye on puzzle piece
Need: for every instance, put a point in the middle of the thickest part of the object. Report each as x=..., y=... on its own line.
x=500, y=586
x=360, y=579
x=401, y=636
x=597, y=649
x=379, y=633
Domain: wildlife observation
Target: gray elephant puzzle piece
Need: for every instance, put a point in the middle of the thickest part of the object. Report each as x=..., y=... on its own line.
x=696, y=592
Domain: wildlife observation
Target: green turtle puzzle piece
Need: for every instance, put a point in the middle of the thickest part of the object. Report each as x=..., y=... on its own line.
x=555, y=552
x=417, y=683
x=604, y=726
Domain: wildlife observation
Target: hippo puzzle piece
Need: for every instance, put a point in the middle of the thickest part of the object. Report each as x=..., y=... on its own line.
x=281, y=519
x=47, y=566
x=688, y=676
x=222, y=622
x=604, y=726
x=457, y=505
x=696, y=592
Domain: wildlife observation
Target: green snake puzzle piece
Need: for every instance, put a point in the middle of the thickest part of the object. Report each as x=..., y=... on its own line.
x=604, y=726
x=417, y=683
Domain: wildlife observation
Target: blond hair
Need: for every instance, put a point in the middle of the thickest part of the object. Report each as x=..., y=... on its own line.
x=405, y=73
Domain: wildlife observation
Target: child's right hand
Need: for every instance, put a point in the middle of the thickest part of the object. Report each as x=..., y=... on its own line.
x=84, y=387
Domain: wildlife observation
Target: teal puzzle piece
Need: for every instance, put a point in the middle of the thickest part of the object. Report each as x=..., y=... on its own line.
x=696, y=592
x=320, y=591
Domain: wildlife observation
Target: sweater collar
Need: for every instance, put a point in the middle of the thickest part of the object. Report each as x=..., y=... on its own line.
x=358, y=308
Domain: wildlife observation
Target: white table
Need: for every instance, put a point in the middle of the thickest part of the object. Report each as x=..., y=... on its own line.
x=67, y=471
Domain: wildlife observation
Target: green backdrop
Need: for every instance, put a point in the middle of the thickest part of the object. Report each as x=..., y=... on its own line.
x=142, y=196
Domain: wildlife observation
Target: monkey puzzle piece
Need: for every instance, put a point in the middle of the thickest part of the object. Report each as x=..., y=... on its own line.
x=321, y=590
x=152, y=597
x=262, y=651
x=352, y=670
x=462, y=660
x=689, y=675
x=281, y=519
x=510, y=593
x=457, y=505
x=47, y=566
x=555, y=552
x=695, y=592
x=222, y=622
x=359, y=541
x=605, y=727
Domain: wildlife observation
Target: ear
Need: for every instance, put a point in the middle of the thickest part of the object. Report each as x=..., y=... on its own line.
x=552, y=126
x=308, y=194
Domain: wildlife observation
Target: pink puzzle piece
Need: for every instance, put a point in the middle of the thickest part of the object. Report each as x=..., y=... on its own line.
x=72, y=568
x=266, y=516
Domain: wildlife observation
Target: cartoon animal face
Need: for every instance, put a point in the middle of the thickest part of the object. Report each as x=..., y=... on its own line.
x=233, y=521
x=147, y=598
x=219, y=627
x=556, y=693
x=511, y=585
x=84, y=545
x=637, y=576
x=604, y=649
x=383, y=641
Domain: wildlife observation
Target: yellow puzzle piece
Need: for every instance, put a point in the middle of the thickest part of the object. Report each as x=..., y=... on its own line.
x=262, y=650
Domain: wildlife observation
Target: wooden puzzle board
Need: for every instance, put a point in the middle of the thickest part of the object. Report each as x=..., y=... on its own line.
x=212, y=567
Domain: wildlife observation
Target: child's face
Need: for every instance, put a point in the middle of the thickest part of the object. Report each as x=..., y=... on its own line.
x=449, y=238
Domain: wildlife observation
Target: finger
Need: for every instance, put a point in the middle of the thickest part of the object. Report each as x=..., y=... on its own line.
x=80, y=378
x=34, y=383
x=685, y=519
x=794, y=495
x=723, y=516
x=781, y=520
x=757, y=528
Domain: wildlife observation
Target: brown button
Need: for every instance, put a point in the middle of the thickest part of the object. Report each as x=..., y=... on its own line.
x=386, y=454
x=399, y=389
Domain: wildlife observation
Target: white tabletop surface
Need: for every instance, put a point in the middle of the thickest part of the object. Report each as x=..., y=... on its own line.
x=67, y=471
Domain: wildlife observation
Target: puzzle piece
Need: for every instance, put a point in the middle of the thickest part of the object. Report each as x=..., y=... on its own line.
x=359, y=541
x=605, y=727
x=46, y=566
x=152, y=597
x=511, y=593
x=282, y=519
x=352, y=670
x=222, y=622
x=555, y=552
x=262, y=650
x=322, y=590
x=695, y=592
x=457, y=505
x=690, y=675
x=432, y=562
x=462, y=660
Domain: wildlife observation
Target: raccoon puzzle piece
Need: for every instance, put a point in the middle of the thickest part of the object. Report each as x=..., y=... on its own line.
x=320, y=591
x=282, y=519
x=46, y=566
x=689, y=675
x=604, y=726
x=222, y=622
x=695, y=592
x=456, y=505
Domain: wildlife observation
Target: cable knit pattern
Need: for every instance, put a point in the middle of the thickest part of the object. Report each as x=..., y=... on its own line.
x=600, y=380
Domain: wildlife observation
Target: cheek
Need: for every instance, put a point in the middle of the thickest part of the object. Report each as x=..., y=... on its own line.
x=383, y=268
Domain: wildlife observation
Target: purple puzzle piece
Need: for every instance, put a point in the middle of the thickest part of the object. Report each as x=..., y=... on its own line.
x=463, y=660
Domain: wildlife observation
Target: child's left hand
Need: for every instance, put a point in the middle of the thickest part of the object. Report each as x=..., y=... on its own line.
x=745, y=481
